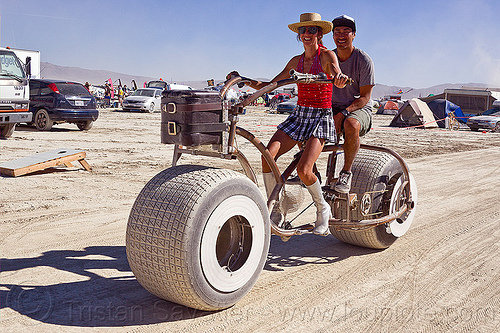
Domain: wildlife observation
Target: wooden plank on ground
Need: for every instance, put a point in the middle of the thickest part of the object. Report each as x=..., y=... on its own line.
x=43, y=161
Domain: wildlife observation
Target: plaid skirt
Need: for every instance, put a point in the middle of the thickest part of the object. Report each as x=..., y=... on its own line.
x=305, y=122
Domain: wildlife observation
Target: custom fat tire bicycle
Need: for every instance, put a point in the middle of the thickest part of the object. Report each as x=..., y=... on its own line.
x=199, y=236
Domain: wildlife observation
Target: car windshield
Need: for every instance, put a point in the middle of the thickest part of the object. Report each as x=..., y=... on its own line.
x=72, y=89
x=495, y=114
x=144, y=92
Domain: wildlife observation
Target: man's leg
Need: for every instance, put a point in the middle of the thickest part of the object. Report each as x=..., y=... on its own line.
x=351, y=147
x=351, y=142
x=357, y=124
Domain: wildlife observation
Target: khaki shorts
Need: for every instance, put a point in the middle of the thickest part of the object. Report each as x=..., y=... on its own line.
x=364, y=116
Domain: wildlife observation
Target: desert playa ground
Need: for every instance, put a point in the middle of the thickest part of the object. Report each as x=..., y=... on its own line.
x=64, y=268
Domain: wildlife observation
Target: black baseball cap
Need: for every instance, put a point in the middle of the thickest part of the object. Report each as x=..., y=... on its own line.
x=344, y=21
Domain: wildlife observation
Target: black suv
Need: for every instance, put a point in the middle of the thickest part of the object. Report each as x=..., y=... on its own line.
x=56, y=101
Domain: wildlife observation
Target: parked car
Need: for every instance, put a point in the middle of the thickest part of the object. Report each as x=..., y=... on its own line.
x=143, y=99
x=490, y=122
x=167, y=86
x=287, y=106
x=278, y=98
x=56, y=101
x=489, y=111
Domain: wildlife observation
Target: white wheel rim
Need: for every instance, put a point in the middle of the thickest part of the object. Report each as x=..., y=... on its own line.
x=219, y=277
x=399, y=229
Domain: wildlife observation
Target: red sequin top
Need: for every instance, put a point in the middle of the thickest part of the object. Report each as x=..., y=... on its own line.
x=316, y=95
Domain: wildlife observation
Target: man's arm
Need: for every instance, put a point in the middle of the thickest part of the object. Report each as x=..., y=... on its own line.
x=365, y=93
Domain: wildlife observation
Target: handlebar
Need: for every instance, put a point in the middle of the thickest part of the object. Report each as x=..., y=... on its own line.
x=314, y=78
x=295, y=77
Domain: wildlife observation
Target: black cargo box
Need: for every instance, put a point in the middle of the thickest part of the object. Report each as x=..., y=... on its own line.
x=192, y=117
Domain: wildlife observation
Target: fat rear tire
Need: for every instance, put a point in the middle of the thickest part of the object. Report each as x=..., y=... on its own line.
x=198, y=236
x=375, y=171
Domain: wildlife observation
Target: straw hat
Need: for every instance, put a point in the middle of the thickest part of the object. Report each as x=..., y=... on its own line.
x=311, y=19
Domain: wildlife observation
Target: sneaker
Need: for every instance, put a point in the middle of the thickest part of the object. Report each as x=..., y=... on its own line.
x=343, y=184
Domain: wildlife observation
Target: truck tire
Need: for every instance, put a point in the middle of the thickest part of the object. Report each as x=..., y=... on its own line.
x=7, y=130
x=198, y=236
x=42, y=120
x=375, y=171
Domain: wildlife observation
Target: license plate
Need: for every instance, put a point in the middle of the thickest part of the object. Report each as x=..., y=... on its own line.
x=79, y=103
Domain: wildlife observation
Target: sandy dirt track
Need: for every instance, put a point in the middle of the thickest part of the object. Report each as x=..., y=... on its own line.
x=64, y=268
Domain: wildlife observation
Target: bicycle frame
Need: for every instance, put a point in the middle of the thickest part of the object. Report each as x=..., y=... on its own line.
x=230, y=151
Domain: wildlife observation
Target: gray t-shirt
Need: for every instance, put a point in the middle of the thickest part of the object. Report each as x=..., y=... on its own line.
x=358, y=67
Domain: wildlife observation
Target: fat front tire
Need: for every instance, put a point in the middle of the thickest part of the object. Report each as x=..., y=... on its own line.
x=378, y=171
x=42, y=120
x=198, y=236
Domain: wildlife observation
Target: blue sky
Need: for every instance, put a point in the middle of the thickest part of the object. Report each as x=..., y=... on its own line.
x=413, y=43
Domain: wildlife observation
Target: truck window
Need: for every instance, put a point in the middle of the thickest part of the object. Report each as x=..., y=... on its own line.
x=9, y=64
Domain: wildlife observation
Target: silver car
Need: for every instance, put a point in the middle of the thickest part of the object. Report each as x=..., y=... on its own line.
x=489, y=122
x=143, y=99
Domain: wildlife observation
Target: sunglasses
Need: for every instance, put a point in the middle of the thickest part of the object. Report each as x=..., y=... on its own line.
x=312, y=30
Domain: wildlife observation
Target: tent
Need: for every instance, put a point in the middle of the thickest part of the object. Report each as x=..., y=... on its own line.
x=388, y=107
x=414, y=112
x=441, y=108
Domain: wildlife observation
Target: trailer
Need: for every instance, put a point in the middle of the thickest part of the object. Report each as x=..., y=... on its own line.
x=35, y=61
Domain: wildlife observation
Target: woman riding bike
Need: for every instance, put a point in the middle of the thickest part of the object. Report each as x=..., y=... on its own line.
x=311, y=123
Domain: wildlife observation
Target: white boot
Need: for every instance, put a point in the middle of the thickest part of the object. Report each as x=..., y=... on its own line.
x=323, y=210
x=269, y=184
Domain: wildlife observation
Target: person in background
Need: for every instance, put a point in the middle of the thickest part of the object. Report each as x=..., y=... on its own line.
x=311, y=122
x=351, y=108
x=107, y=95
x=120, y=96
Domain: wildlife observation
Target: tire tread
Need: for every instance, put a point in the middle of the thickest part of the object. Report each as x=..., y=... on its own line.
x=367, y=168
x=158, y=227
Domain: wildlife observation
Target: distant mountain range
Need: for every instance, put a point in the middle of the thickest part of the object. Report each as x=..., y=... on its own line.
x=99, y=77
